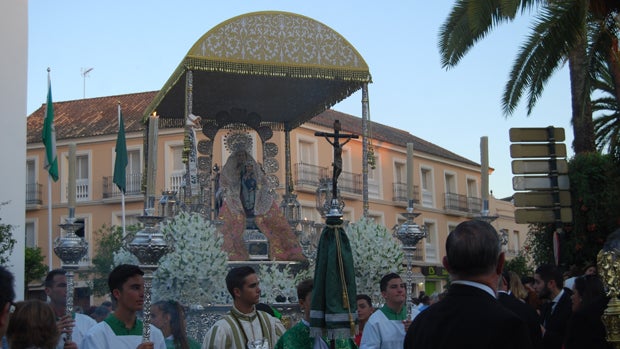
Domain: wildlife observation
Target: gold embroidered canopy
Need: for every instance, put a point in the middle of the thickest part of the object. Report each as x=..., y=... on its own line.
x=285, y=67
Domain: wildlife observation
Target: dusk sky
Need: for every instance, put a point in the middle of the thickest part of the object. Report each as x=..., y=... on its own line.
x=134, y=46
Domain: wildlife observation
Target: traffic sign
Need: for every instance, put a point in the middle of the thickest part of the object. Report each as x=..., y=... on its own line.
x=539, y=183
x=533, y=215
x=537, y=150
x=536, y=134
x=541, y=199
x=539, y=166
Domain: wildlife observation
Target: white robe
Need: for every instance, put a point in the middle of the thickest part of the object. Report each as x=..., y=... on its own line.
x=83, y=323
x=101, y=336
x=225, y=333
x=381, y=333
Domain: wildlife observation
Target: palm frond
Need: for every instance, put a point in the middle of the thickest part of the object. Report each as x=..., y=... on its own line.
x=546, y=49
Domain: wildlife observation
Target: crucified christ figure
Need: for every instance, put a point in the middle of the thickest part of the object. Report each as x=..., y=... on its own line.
x=337, y=152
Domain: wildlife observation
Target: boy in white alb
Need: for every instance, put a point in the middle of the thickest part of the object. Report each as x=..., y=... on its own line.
x=122, y=329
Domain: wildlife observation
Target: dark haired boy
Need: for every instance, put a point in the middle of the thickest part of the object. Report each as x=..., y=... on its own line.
x=122, y=329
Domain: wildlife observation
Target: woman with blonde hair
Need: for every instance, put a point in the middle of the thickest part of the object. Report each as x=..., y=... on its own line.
x=32, y=325
x=516, y=287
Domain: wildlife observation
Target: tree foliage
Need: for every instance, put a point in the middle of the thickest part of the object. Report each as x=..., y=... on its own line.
x=33, y=264
x=595, y=188
x=110, y=240
x=7, y=242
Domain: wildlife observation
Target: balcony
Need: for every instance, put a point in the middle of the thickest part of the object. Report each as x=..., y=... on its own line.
x=399, y=193
x=133, y=183
x=308, y=175
x=33, y=194
x=462, y=203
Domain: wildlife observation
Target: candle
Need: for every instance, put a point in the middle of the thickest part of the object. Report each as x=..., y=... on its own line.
x=409, y=172
x=152, y=156
x=484, y=170
x=71, y=186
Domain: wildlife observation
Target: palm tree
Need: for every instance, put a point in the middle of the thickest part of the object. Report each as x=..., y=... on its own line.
x=560, y=33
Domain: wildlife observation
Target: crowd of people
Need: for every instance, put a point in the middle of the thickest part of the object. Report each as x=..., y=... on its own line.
x=484, y=306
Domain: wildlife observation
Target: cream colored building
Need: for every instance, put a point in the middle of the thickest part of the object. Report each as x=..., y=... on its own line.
x=446, y=185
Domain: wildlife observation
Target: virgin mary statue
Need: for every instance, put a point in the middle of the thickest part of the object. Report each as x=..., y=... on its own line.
x=249, y=202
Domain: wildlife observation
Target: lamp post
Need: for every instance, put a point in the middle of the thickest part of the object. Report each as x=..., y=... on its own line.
x=148, y=245
x=409, y=233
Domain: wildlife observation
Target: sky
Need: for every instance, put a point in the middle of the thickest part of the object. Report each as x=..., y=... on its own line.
x=134, y=46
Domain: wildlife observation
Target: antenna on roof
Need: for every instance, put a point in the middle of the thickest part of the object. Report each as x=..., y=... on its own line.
x=85, y=72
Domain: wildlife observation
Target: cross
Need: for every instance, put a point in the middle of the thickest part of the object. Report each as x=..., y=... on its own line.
x=337, y=152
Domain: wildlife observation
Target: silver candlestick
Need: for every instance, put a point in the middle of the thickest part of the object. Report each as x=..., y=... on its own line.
x=409, y=233
x=70, y=249
x=148, y=245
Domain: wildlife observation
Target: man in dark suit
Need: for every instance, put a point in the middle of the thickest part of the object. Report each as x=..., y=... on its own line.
x=522, y=310
x=470, y=315
x=548, y=283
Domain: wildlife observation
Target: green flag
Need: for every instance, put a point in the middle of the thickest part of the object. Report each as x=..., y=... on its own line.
x=49, y=134
x=121, y=155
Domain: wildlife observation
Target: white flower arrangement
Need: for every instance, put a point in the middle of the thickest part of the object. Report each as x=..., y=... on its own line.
x=194, y=273
x=279, y=281
x=375, y=253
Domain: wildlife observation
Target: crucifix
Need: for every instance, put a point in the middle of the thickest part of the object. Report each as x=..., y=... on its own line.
x=337, y=152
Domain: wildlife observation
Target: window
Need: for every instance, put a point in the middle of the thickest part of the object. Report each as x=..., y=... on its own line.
x=473, y=200
x=31, y=235
x=307, y=152
x=134, y=171
x=374, y=179
x=377, y=218
x=32, y=189
x=177, y=168
x=450, y=180
x=426, y=179
x=81, y=178
x=131, y=218
x=400, y=173
x=430, y=242
x=514, y=242
x=84, y=232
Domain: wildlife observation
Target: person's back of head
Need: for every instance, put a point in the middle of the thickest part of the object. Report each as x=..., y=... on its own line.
x=304, y=288
x=590, y=290
x=236, y=277
x=120, y=275
x=100, y=313
x=32, y=324
x=472, y=249
x=548, y=272
x=7, y=295
x=386, y=279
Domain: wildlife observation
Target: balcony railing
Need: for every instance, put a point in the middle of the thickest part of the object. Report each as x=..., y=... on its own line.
x=33, y=194
x=399, y=193
x=462, y=203
x=133, y=183
x=308, y=175
x=350, y=182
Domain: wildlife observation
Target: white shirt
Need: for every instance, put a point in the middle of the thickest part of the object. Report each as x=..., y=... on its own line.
x=83, y=323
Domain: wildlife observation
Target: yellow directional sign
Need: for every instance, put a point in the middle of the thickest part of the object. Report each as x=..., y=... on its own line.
x=536, y=134
x=539, y=166
x=537, y=150
x=533, y=215
x=541, y=199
